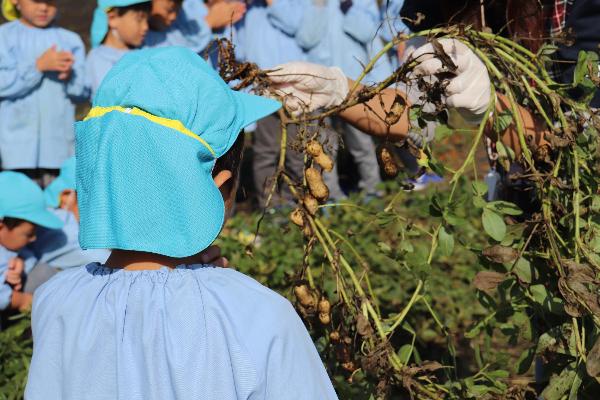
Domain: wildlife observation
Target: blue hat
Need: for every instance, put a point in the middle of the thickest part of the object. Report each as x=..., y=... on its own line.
x=21, y=198
x=64, y=181
x=146, y=151
x=100, y=22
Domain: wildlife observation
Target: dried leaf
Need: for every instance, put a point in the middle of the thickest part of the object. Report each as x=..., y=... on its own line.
x=592, y=365
x=446, y=60
x=431, y=366
x=363, y=326
x=396, y=111
x=500, y=254
x=488, y=280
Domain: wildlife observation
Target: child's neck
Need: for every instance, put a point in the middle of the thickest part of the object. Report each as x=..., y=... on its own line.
x=115, y=42
x=29, y=24
x=138, y=260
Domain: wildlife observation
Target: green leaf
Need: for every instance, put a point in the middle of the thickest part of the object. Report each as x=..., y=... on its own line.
x=479, y=390
x=454, y=220
x=435, y=207
x=523, y=270
x=504, y=151
x=497, y=374
x=523, y=323
x=406, y=246
x=595, y=203
x=502, y=121
x=442, y=131
x=504, y=207
x=479, y=202
x=479, y=188
x=524, y=362
x=493, y=224
x=415, y=112
x=436, y=167
x=587, y=66
x=405, y=352
x=384, y=247
x=560, y=385
x=546, y=300
x=445, y=242
x=547, y=49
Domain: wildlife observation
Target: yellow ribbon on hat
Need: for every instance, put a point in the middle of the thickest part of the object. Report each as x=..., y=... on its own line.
x=9, y=11
x=174, y=124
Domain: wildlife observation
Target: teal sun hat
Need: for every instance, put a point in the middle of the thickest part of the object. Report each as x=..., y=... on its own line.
x=22, y=198
x=99, y=27
x=146, y=151
x=64, y=181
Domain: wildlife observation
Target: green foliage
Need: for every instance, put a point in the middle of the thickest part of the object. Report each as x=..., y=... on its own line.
x=398, y=272
x=15, y=353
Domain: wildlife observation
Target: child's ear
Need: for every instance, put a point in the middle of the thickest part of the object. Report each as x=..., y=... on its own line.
x=222, y=177
x=112, y=17
x=64, y=198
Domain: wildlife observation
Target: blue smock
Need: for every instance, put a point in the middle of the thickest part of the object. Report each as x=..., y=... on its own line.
x=59, y=248
x=194, y=332
x=265, y=35
x=333, y=38
x=37, y=110
x=189, y=29
x=5, y=256
x=392, y=22
x=5, y=289
x=99, y=61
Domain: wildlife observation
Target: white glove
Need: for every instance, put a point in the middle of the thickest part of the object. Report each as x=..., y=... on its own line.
x=308, y=87
x=469, y=91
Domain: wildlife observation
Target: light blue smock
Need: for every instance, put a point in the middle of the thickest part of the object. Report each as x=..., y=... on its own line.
x=59, y=248
x=195, y=332
x=99, y=61
x=37, y=110
x=333, y=38
x=265, y=35
x=391, y=25
x=5, y=289
x=5, y=256
x=189, y=29
x=392, y=22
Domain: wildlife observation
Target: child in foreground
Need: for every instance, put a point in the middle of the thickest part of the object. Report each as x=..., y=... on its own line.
x=41, y=79
x=118, y=27
x=157, y=165
x=21, y=209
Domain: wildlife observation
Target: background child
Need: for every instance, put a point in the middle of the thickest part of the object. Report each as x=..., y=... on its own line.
x=118, y=26
x=339, y=33
x=155, y=178
x=41, y=77
x=266, y=37
x=58, y=249
x=190, y=23
x=21, y=209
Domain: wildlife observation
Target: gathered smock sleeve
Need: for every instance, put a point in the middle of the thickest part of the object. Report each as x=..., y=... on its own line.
x=18, y=72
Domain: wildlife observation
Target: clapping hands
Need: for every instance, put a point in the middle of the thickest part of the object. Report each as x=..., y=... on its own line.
x=56, y=61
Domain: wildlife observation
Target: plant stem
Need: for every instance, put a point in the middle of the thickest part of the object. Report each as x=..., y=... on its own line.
x=415, y=296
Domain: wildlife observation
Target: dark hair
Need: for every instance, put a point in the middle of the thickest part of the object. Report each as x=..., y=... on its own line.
x=232, y=159
x=522, y=20
x=143, y=7
x=12, y=223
